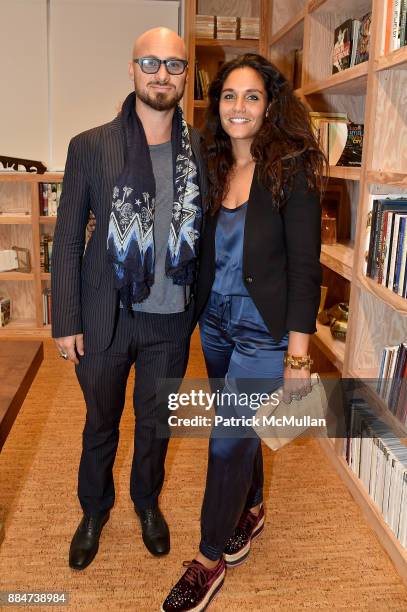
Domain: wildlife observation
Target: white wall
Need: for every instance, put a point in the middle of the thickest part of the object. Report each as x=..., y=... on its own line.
x=62, y=77
x=23, y=79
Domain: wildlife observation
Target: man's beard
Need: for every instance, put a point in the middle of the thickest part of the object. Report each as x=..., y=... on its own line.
x=161, y=101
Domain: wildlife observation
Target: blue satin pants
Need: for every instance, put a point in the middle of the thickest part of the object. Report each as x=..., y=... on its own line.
x=239, y=353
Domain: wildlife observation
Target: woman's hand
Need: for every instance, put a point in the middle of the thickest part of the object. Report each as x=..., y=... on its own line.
x=297, y=383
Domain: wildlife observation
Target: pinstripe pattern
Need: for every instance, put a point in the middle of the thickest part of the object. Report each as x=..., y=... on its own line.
x=158, y=345
x=84, y=301
x=83, y=296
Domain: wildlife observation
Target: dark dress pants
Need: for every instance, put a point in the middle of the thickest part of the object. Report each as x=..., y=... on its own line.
x=240, y=355
x=158, y=346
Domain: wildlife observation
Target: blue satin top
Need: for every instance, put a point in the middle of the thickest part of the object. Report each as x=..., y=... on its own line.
x=229, y=251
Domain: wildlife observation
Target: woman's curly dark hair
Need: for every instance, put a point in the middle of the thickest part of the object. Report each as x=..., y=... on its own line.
x=284, y=144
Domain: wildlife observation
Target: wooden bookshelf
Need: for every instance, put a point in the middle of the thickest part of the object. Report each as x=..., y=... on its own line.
x=371, y=93
x=20, y=191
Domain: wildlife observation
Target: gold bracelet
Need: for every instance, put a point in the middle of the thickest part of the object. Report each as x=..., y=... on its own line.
x=297, y=362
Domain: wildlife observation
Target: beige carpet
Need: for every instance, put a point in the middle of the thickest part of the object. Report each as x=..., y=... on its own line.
x=316, y=553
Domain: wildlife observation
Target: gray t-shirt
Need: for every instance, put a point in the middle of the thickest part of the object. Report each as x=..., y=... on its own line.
x=164, y=297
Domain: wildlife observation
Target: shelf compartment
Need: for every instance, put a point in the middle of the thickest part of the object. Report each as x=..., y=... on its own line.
x=378, y=404
x=15, y=219
x=240, y=43
x=394, y=59
x=332, y=348
x=16, y=276
x=345, y=172
x=288, y=27
x=387, y=177
x=352, y=81
x=339, y=258
x=372, y=513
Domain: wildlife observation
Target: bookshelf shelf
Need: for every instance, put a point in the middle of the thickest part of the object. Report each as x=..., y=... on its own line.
x=398, y=303
x=15, y=219
x=18, y=327
x=288, y=27
x=16, y=276
x=49, y=220
x=240, y=43
x=396, y=59
x=344, y=172
x=339, y=258
x=332, y=348
x=398, y=179
x=31, y=177
x=46, y=276
x=201, y=104
x=352, y=81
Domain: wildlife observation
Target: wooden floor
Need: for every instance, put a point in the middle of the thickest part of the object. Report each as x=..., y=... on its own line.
x=316, y=552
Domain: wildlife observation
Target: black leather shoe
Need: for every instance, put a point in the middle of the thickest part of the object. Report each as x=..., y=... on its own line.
x=156, y=535
x=85, y=543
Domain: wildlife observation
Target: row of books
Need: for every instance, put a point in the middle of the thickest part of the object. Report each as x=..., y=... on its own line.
x=46, y=306
x=386, y=242
x=50, y=194
x=227, y=28
x=351, y=43
x=340, y=139
x=396, y=25
x=46, y=242
x=392, y=381
x=379, y=460
x=201, y=84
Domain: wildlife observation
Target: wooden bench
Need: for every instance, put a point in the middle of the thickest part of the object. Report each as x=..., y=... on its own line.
x=19, y=363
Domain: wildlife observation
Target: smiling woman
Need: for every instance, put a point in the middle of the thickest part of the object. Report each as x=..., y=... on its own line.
x=257, y=297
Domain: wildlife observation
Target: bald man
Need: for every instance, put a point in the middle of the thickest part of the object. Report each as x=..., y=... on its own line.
x=128, y=298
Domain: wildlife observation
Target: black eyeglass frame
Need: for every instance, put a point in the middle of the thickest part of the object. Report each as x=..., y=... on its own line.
x=139, y=61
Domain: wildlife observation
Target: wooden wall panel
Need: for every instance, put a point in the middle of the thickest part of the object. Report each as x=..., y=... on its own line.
x=238, y=8
x=15, y=197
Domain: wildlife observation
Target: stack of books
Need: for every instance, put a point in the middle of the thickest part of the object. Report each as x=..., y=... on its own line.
x=386, y=242
x=250, y=27
x=379, y=459
x=201, y=83
x=227, y=28
x=351, y=43
x=50, y=194
x=395, y=25
x=205, y=26
x=392, y=381
x=46, y=242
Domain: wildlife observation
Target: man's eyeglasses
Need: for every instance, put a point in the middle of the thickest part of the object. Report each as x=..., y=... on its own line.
x=151, y=65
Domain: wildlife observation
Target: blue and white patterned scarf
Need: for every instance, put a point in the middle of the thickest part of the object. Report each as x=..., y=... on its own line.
x=130, y=241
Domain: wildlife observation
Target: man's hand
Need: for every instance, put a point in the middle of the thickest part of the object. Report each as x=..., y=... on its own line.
x=68, y=344
x=297, y=384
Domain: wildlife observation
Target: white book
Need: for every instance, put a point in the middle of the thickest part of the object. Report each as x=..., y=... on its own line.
x=395, y=26
x=355, y=37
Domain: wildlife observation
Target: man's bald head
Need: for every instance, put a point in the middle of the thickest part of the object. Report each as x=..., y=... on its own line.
x=159, y=40
x=159, y=90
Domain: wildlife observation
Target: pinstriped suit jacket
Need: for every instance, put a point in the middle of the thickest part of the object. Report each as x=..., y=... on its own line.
x=84, y=299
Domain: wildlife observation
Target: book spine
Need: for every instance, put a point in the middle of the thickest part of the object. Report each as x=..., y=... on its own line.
x=382, y=248
x=395, y=31
x=399, y=253
x=403, y=23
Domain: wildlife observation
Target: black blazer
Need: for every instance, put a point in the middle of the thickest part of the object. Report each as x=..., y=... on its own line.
x=84, y=299
x=281, y=251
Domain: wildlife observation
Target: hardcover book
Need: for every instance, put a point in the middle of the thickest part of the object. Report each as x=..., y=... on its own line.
x=342, y=51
